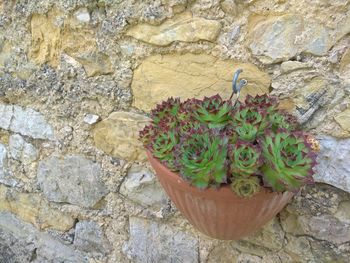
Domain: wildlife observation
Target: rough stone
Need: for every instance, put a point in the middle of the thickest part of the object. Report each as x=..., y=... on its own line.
x=13, y=250
x=89, y=237
x=318, y=40
x=333, y=167
x=142, y=187
x=153, y=242
x=118, y=135
x=95, y=64
x=299, y=249
x=223, y=253
x=6, y=113
x=40, y=246
x=183, y=27
x=34, y=209
x=280, y=37
x=190, y=75
x=72, y=179
x=83, y=15
x=25, y=121
x=344, y=64
x=46, y=42
x=272, y=39
x=311, y=97
x=343, y=212
x=20, y=150
x=326, y=227
x=343, y=119
x=5, y=174
x=229, y=7
x=271, y=236
x=91, y=118
x=54, y=34
x=289, y=66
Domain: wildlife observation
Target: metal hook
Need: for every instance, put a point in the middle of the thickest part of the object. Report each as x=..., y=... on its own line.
x=236, y=88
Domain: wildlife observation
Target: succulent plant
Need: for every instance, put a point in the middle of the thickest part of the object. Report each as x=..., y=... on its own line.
x=281, y=120
x=245, y=159
x=202, y=159
x=268, y=103
x=245, y=186
x=213, y=111
x=186, y=110
x=289, y=160
x=250, y=123
x=167, y=108
x=163, y=146
x=186, y=127
x=212, y=142
x=147, y=135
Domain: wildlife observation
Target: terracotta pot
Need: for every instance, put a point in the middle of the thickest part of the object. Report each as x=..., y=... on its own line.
x=220, y=213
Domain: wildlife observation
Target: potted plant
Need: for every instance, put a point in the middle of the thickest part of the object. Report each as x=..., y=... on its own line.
x=228, y=166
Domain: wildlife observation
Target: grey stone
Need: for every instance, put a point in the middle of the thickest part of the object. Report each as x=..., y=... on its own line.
x=91, y=118
x=271, y=236
x=318, y=41
x=13, y=250
x=333, y=162
x=272, y=40
x=153, y=242
x=73, y=179
x=326, y=227
x=47, y=248
x=6, y=113
x=89, y=237
x=25, y=121
x=142, y=187
x=31, y=123
x=82, y=15
x=20, y=150
x=5, y=174
x=280, y=38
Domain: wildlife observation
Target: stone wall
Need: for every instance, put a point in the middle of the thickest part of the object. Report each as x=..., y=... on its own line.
x=77, y=79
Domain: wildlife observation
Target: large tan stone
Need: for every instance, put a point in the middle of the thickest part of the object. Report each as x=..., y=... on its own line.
x=118, y=135
x=32, y=208
x=190, y=75
x=183, y=27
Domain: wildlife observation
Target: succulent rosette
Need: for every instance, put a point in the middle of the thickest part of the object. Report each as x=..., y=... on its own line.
x=245, y=186
x=163, y=146
x=268, y=103
x=147, y=135
x=201, y=159
x=245, y=159
x=213, y=111
x=280, y=120
x=289, y=160
x=250, y=123
x=165, y=109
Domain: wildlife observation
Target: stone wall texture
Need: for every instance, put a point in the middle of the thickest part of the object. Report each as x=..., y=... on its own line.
x=77, y=79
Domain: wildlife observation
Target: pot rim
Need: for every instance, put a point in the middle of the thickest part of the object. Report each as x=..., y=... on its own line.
x=223, y=192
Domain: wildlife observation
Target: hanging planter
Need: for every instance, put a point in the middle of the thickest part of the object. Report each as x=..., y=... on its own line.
x=229, y=167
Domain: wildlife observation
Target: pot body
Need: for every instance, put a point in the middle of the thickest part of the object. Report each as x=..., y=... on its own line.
x=220, y=213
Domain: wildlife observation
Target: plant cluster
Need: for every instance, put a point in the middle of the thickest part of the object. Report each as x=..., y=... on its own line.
x=249, y=145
